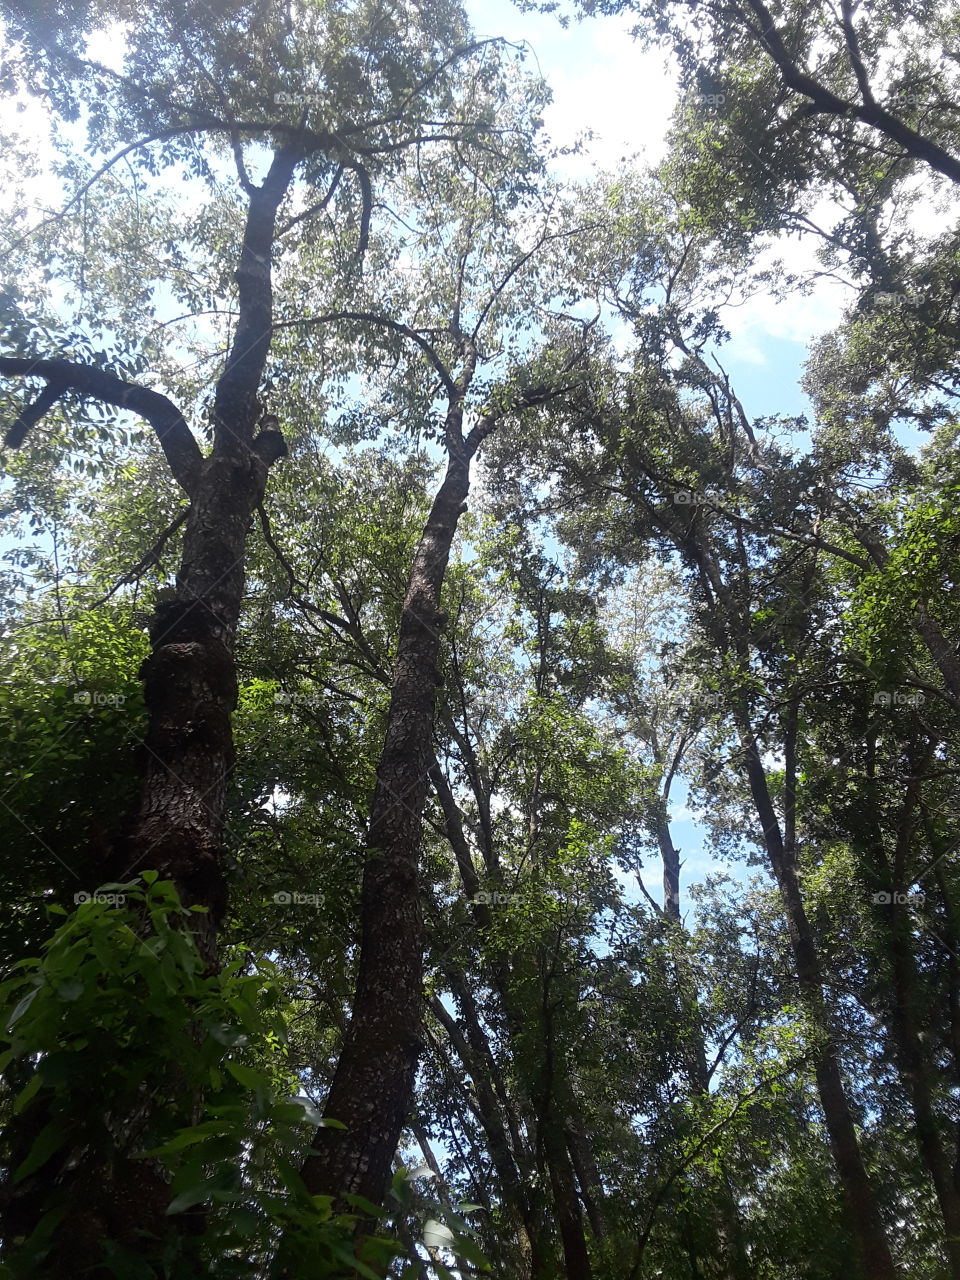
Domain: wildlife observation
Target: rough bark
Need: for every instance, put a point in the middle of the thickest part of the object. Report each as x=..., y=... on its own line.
x=189, y=677
x=190, y=691
x=372, y=1087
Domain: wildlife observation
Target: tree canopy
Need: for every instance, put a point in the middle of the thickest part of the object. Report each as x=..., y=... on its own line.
x=391, y=571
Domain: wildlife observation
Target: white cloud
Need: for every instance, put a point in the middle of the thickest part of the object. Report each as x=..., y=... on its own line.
x=601, y=79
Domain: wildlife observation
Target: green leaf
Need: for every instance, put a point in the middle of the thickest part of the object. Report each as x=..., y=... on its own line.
x=437, y=1236
x=22, y=1007
x=70, y=990
x=193, y=1195
x=50, y=1139
x=247, y=1076
x=365, y=1206
x=28, y=1092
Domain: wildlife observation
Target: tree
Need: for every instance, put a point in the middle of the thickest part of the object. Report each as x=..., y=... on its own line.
x=188, y=78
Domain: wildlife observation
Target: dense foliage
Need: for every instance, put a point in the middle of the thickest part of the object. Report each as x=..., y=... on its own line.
x=335, y=790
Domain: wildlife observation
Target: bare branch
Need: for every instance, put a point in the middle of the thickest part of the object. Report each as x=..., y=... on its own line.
x=151, y=558
x=314, y=208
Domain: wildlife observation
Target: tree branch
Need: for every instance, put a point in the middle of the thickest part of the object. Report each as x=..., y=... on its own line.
x=181, y=450
x=371, y=317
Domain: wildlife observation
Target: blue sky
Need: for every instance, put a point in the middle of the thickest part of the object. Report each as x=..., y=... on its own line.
x=602, y=81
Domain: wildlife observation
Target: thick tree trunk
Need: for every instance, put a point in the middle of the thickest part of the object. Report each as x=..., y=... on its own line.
x=190, y=692
x=190, y=677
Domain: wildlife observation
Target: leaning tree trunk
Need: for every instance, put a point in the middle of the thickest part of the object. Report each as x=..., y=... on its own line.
x=372, y=1088
x=526, y=1222
x=373, y=1084
x=855, y=1182
x=780, y=844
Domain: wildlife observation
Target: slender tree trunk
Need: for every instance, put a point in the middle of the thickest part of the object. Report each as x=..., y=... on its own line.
x=913, y=1063
x=732, y=1258
x=576, y=1259
x=373, y=1083
x=472, y=1050
x=586, y=1168
x=857, y=1188
x=729, y=631
x=916, y=1075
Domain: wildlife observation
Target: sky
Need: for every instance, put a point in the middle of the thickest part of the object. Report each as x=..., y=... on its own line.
x=603, y=82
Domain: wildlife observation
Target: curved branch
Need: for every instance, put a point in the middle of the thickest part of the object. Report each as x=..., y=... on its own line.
x=371, y=317
x=311, y=141
x=31, y=414
x=869, y=112
x=314, y=208
x=366, y=207
x=181, y=450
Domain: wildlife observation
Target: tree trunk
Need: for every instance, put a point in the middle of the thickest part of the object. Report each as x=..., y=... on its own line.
x=576, y=1260
x=472, y=1050
x=912, y=1062
x=190, y=692
x=916, y=1075
x=857, y=1188
x=731, y=1253
x=190, y=676
x=373, y=1083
